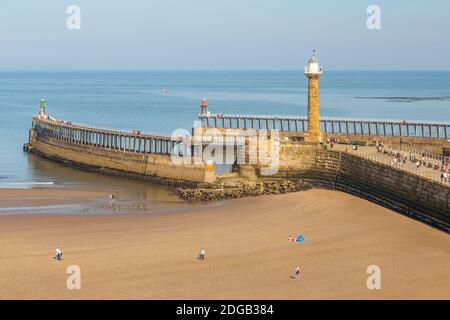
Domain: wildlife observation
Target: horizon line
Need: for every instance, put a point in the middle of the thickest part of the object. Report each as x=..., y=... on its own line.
x=208, y=70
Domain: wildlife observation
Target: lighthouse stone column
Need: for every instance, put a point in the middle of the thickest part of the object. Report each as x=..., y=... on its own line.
x=313, y=72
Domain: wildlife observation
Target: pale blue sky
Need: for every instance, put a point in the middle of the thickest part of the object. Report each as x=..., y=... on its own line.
x=224, y=35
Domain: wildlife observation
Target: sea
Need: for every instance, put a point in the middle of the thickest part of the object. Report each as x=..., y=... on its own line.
x=162, y=101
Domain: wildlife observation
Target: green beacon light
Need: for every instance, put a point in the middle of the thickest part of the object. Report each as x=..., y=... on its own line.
x=42, y=107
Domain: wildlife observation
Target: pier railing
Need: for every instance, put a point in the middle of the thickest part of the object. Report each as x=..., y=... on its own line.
x=376, y=127
x=119, y=140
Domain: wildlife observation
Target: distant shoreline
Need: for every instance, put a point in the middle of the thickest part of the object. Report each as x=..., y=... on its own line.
x=407, y=99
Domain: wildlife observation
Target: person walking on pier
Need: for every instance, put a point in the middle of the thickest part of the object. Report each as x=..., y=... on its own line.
x=418, y=164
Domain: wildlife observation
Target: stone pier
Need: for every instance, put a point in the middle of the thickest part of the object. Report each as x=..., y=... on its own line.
x=113, y=152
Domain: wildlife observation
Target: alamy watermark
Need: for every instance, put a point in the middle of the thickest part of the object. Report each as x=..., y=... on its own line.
x=73, y=22
x=374, y=20
x=74, y=279
x=228, y=147
x=374, y=280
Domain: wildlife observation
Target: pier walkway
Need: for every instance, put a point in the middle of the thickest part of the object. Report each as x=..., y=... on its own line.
x=429, y=167
x=405, y=128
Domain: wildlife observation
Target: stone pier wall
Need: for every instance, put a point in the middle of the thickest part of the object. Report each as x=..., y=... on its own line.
x=409, y=194
x=402, y=191
x=308, y=162
x=158, y=168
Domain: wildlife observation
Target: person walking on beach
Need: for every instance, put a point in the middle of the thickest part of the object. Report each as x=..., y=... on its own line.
x=112, y=199
x=58, y=254
x=297, y=273
x=202, y=254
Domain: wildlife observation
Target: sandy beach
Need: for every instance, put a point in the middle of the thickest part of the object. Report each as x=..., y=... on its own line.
x=153, y=255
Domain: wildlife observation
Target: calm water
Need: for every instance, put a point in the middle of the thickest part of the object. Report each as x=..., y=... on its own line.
x=135, y=100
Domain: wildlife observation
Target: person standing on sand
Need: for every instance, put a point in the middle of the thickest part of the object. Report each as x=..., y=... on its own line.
x=202, y=254
x=58, y=254
x=297, y=273
x=112, y=199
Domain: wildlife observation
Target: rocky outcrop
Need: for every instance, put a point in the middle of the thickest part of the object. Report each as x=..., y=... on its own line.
x=240, y=189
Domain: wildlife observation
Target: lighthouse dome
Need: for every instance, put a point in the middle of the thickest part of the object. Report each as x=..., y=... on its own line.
x=313, y=59
x=313, y=65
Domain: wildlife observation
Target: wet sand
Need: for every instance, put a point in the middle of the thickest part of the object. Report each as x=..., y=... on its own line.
x=153, y=256
x=62, y=200
x=46, y=196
